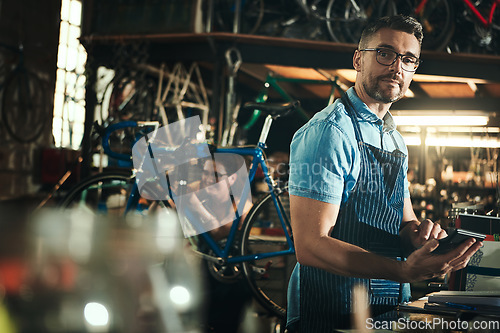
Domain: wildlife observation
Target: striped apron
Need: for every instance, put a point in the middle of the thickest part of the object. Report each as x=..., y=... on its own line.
x=370, y=218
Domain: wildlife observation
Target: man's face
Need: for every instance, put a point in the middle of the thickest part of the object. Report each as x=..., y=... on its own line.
x=382, y=83
x=215, y=180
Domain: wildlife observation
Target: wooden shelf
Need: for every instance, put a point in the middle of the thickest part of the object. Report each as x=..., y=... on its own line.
x=285, y=51
x=211, y=48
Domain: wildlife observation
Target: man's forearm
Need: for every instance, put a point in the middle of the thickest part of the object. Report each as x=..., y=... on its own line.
x=345, y=259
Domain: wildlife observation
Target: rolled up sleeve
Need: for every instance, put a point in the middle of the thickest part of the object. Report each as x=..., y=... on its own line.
x=320, y=161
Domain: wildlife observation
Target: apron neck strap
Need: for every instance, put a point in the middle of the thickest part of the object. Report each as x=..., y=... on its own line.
x=394, y=141
x=353, y=115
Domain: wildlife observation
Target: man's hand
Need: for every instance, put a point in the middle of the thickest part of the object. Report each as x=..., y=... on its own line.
x=422, y=264
x=418, y=233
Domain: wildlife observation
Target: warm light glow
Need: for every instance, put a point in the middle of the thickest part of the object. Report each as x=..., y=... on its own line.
x=452, y=141
x=348, y=74
x=462, y=142
x=472, y=85
x=409, y=94
x=441, y=120
x=436, y=78
x=180, y=296
x=96, y=314
x=412, y=140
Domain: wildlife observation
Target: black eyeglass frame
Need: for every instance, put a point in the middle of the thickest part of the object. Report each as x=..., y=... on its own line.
x=209, y=173
x=398, y=55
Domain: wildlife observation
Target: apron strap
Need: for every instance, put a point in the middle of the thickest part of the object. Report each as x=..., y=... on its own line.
x=353, y=115
x=394, y=141
x=385, y=288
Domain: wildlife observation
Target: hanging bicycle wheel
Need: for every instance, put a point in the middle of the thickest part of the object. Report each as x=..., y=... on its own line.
x=471, y=35
x=106, y=193
x=436, y=17
x=262, y=233
x=24, y=106
x=252, y=13
x=346, y=19
x=132, y=99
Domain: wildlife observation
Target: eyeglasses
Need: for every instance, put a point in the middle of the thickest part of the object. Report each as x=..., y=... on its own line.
x=387, y=57
x=218, y=175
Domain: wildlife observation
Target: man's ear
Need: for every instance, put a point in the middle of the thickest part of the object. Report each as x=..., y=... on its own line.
x=356, y=61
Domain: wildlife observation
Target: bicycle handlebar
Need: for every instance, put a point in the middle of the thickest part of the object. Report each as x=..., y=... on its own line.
x=275, y=110
x=121, y=125
x=105, y=140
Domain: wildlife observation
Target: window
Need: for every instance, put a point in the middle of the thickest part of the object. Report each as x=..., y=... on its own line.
x=69, y=97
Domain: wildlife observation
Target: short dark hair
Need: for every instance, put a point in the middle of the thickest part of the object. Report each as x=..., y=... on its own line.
x=403, y=23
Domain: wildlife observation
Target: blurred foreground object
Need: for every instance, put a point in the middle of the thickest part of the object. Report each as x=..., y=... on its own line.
x=88, y=273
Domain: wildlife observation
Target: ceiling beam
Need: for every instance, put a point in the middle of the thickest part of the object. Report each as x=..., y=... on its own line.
x=416, y=88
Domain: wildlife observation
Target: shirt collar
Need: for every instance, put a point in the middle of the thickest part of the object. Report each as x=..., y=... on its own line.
x=366, y=114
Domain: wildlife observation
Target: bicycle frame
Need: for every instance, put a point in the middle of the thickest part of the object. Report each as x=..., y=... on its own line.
x=258, y=160
x=486, y=22
x=272, y=82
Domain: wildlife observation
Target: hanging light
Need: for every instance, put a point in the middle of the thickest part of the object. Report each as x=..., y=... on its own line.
x=441, y=118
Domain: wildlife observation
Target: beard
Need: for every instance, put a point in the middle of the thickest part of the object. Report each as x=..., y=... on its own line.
x=373, y=89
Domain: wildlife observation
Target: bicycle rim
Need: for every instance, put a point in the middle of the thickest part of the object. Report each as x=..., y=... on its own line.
x=132, y=98
x=485, y=39
x=262, y=233
x=346, y=19
x=24, y=106
x=252, y=13
x=105, y=193
x=225, y=273
x=437, y=20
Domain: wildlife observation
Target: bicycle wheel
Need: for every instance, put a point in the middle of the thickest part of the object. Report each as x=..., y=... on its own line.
x=115, y=194
x=262, y=233
x=106, y=193
x=252, y=13
x=133, y=99
x=24, y=106
x=436, y=17
x=471, y=35
x=346, y=19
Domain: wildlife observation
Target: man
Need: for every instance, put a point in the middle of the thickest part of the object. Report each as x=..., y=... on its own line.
x=210, y=192
x=213, y=195
x=351, y=211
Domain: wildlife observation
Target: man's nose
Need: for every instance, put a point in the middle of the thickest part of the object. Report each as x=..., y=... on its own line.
x=397, y=65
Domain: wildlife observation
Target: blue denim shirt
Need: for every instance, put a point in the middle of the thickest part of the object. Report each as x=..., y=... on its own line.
x=324, y=155
x=325, y=162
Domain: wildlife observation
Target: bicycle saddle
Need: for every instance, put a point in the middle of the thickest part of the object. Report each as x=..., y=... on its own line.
x=275, y=110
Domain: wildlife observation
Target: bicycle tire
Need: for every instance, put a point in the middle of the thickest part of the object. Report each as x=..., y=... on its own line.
x=345, y=22
x=437, y=19
x=471, y=35
x=24, y=106
x=132, y=99
x=105, y=193
x=251, y=16
x=262, y=232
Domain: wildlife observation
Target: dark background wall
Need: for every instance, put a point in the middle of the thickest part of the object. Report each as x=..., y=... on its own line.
x=35, y=24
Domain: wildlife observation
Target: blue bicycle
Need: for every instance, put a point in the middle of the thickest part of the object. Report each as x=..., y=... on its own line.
x=260, y=248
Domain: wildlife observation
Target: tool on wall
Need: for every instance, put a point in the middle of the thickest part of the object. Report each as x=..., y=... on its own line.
x=233, y=59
